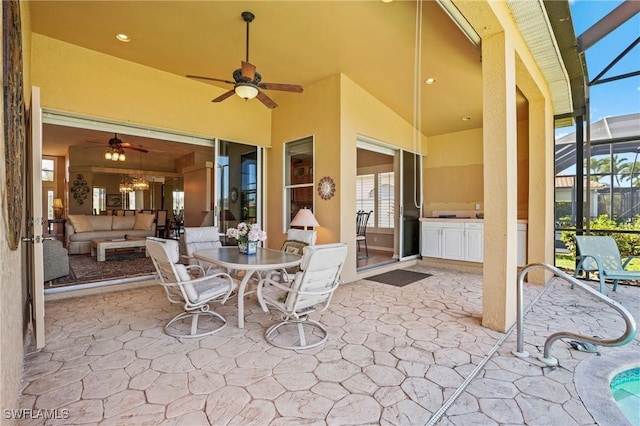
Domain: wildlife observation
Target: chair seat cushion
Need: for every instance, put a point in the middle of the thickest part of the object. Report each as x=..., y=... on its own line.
x=621, y=274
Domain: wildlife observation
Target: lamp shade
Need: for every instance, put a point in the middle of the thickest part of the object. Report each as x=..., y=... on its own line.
x=305, y=218
x=57, y=208
x=246, y=91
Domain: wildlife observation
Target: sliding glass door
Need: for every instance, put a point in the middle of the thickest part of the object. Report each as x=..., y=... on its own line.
x=238, y=177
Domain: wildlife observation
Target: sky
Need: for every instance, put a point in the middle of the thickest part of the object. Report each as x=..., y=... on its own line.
x=622, y=96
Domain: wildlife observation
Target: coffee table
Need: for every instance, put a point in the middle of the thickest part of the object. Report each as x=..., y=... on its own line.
x=99, y=247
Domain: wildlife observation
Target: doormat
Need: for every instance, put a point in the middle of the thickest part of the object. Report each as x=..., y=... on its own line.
x=399, y=277
x=83, y=268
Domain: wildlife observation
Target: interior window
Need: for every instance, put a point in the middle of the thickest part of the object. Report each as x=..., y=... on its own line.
x=298, y=172
x=375, y=192
x=99, y=199
x=48, y=170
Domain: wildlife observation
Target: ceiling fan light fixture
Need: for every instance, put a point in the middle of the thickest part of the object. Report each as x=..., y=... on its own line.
x=107, y=155
x=115, y=156
x=121, y=156
x=246, y=91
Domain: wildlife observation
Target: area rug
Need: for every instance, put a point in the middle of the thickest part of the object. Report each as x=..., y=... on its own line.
x=399, y=277
x=83, y=268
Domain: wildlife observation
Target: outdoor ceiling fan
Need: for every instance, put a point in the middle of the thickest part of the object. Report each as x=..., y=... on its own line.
x=247, y=82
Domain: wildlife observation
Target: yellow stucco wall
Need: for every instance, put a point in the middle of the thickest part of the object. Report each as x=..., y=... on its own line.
x=84, y=82
x=317, y=114
x=453, y=172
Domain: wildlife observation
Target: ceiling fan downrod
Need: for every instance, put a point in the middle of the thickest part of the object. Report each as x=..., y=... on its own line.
x=248, y=18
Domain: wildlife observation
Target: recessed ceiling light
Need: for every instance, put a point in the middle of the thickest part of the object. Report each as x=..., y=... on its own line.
x=430, y=80
x=123, y=38
x=386, y=1
x=466, y=118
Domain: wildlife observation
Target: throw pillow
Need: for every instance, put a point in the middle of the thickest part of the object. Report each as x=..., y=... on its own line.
x=121, y=223
x=295, y=247
x=144, y=221
x=80, y=223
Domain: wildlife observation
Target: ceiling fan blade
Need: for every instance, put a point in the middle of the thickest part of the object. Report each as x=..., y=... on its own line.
x=282, y=86
x=267, y=101
x=211, y=79
x=248, y=71
x=224, y=96
x=127, y=145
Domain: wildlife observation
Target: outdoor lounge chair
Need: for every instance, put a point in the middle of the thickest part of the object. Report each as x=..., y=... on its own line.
x=313, y=286
x=195, y=293
x=600, y=254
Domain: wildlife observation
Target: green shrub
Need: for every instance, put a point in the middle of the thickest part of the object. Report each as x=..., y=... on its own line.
x=628, y=244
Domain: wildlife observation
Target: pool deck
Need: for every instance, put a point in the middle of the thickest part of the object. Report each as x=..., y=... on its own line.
x=394, y=357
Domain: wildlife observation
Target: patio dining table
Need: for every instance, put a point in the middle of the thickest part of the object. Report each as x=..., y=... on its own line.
x=263, y=260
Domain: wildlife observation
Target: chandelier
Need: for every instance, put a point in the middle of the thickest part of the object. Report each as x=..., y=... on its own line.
x=125, y=186
x=140, y=183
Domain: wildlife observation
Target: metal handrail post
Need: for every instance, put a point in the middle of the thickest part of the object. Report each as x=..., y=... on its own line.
x=625, y=338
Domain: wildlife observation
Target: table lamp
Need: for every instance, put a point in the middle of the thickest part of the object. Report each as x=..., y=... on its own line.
x=57, y=208
x=305, y=218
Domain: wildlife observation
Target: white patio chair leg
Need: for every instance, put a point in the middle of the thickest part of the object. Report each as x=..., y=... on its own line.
x=194, y=324
x=303, y=341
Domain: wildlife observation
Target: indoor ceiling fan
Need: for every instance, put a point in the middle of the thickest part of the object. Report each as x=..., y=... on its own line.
x=247, y=82
x=117, y=147
x=116, y=143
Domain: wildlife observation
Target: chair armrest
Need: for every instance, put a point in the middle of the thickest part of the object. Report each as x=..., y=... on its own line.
x=201, y=272
x=585, y=257
x=627, y=260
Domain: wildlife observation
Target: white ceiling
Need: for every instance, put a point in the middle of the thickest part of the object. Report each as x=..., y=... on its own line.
x=298, y=42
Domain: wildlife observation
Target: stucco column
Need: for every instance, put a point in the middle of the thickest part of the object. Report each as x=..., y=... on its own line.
x=500, y=182
x=540, y=243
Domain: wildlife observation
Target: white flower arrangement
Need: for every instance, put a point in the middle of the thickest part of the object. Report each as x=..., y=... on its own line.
x=244, y=233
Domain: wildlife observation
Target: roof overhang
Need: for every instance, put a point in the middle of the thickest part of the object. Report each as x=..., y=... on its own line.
x=547, y=29
x=574, y=61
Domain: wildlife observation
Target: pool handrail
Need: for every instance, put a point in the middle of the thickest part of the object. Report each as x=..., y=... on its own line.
x=625, y=338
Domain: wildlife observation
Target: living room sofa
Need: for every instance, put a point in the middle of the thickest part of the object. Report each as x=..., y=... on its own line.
x=81, y=229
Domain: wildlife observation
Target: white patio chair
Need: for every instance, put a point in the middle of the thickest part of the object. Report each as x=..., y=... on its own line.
x=198, y=238
x=297, y=240
x=310, y=291
x=194, y=293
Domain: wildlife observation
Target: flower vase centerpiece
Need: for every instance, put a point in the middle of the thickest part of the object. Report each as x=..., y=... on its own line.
x=247, y=237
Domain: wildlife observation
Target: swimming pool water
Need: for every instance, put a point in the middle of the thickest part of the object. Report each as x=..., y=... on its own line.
x=625, y=388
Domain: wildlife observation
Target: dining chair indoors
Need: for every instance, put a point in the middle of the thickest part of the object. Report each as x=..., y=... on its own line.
x=162, y=218
x=310, y=291
x=362, y=217
x=196, y=294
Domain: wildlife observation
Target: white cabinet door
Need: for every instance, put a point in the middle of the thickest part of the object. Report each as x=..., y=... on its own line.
x=474, y=239
x=453, y=242
x=430, y=242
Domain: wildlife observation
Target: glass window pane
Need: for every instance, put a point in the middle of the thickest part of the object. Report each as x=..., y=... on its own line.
x=48, y=170
x=386, y=196
x=298, y=171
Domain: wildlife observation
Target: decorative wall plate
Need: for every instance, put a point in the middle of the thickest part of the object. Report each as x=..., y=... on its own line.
x=326, y=188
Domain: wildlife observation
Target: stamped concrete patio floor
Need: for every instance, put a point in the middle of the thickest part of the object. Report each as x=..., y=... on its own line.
x=394, y=356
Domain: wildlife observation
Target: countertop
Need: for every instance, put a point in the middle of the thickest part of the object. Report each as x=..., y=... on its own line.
x=459, y=219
